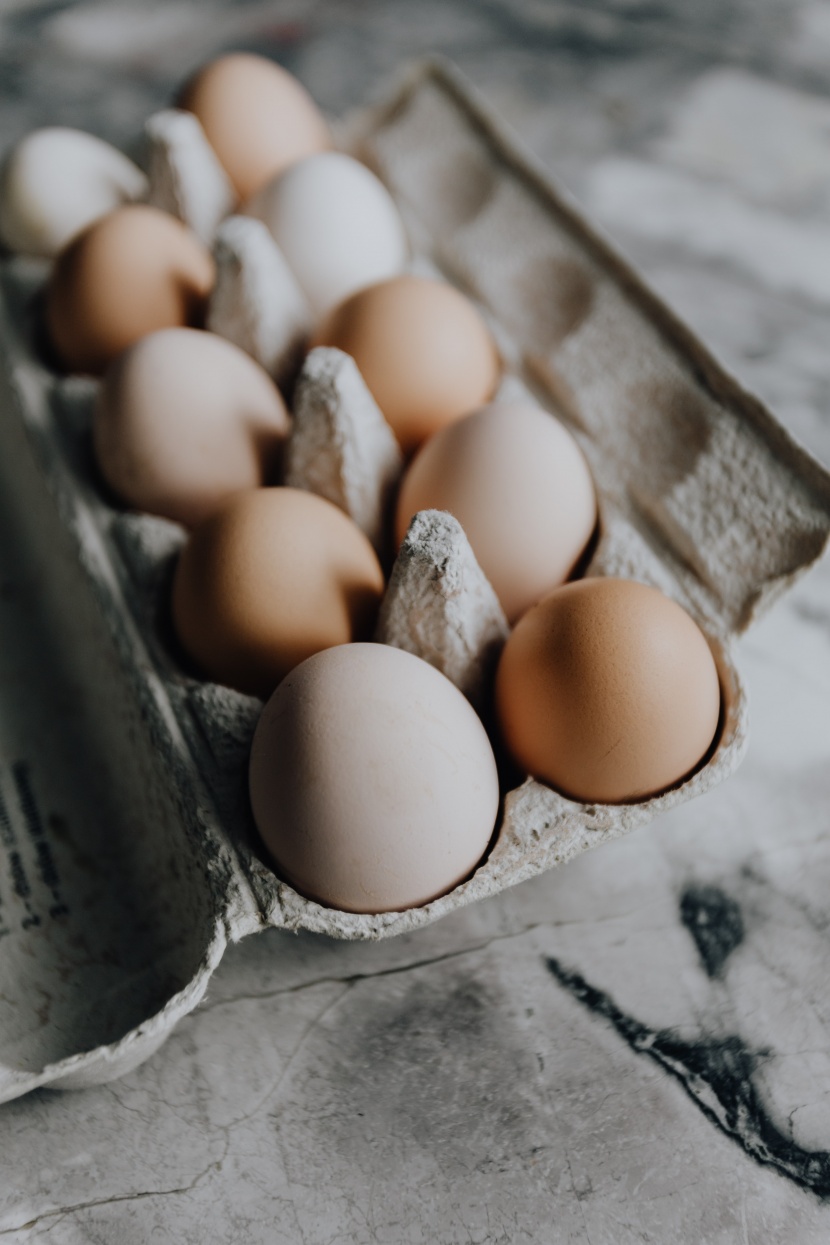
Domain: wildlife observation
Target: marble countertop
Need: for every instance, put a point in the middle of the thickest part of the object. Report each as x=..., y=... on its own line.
x=635, y=1047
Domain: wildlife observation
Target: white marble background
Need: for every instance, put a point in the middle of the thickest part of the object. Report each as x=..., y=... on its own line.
x=635, y=1048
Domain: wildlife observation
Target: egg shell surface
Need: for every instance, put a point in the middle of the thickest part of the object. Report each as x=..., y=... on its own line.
x=256, y=116
x=336, y=224
x=55, y=182
x=185, y=419
x=372, y=780
x=132, y=272
x=519, y=485
x=274, y=576
x=608, y=691
x=422, y=348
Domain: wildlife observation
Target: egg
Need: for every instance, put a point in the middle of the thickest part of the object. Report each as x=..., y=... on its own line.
x=183, y=420
x=422, y=348
x=519, y=485
x=56, y=181
x=132, y=272
x=336, y=224
x=373, y=783
x=608, y=691
x=256, y=116
x=274, y=576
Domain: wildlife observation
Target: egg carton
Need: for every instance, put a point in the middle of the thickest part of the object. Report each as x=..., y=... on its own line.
x=701, y=494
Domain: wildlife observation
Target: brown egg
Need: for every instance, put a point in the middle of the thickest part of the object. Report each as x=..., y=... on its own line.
x=608, y=691
x=257, y=117
x=277, y=575
x=423, y=349
x=132, y=272
x=185, y=419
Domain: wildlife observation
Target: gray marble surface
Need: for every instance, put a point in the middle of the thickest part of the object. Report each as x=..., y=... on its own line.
x=633, y=1048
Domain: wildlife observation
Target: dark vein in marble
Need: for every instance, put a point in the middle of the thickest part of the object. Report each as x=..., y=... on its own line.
x=716, y=1073
x=715, y=923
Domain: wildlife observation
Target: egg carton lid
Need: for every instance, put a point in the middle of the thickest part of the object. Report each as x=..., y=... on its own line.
x=701, y=493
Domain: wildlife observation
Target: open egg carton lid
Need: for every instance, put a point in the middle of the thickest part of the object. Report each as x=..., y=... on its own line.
x=702, y=494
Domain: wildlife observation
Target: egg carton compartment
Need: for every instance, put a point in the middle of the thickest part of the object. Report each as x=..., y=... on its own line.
x=702, y=494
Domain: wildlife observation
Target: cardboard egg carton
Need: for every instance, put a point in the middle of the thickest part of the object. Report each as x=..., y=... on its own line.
x=701, y=494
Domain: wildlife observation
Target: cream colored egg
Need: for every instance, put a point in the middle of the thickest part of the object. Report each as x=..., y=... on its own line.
x=274, y=576
x=184, y=420
x=519, y=485
x=336, y=224
x=57, y=181
x=373, y=783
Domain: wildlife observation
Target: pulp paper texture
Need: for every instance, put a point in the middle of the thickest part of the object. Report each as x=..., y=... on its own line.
x=340, y=445
x=256, y=302
x=701, y=494
x=186, y=179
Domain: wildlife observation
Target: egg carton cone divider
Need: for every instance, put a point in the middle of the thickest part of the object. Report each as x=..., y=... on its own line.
x=702, y=494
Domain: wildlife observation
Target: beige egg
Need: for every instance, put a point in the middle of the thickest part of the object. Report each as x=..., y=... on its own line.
x=257, y=117
x=423, y=349
x=132, y=272
x=337, y=226
x=608, y=691
x=56, y=181
x=373, y=783
x=519, y=485
x=184, y=420
x=275, y=576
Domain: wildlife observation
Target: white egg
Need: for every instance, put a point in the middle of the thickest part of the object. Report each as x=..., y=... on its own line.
x=55, y=182
x=373, y=783
x=336, y=225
